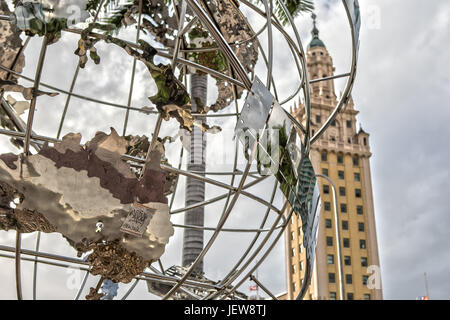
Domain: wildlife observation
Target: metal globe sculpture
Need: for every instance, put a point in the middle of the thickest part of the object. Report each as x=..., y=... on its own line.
x=111, y=197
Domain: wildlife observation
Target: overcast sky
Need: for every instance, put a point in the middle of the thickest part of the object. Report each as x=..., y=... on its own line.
x=402, y=92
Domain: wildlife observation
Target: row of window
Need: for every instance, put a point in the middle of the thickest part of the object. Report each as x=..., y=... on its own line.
x=328, y=224
x=348, y=278
x=347, y=260
x=340, y=158
x=356, y=175
x=294, y=269
x=346, y=242
x=349, y=296
x=342, y=193
x=348, y=123
x=343, y=207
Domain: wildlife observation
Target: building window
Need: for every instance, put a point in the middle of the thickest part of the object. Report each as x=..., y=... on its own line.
x=330, y=259
x=332, y=295
x=346, y=242
x=341, y=174
x=301, y=265
x=349, y=123
x=326, y=189
x=343, y=207
x=293, y=268
x=294, y=285
x=327, y=206
x=349, y=296
x=324, y=156
x=331, y=278
x=365, y=141
x=362, y=244
x=359, y=209
x=344, y=225
x=357, y=177
x=363, y=262
x=329, y=241
x=348, y=279
x=361, y=226
x=325, y=172
x=340, y=158
x=333, y=123
x=293, y=252
x=364, y=280
x=347, y=260
x=318, y=119
x=292, y=236
x=342, y=191
x=358, y=193
x=366, y=296
x=355, y=161
x=300, y=248
x=328, y=223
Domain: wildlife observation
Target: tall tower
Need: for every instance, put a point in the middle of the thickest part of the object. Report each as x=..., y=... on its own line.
x=342, y=154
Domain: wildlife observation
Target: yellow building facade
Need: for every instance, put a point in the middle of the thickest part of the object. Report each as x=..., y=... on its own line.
x=342, y=154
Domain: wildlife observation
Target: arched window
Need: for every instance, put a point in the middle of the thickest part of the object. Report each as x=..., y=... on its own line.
x=355, y=160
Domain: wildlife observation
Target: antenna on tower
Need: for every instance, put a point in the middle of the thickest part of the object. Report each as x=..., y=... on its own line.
x=427, y=294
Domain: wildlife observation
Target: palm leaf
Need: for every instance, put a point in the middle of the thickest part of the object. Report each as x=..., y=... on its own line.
x=295, y=7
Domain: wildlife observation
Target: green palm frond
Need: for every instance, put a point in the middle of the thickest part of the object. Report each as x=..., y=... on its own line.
x=295, y=7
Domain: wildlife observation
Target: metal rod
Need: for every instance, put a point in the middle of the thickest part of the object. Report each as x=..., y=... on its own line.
x=66, y=106
x=37, y=80
x=38, y=241
x=161, y=266
x=215, y=199
x=270, y=42
x=133, y=72
x=179, y=37
x=125, y=296
x=5, y=17
x=83, y=284
x=17, y=265
x=224, y=229
x=18, y=122
x=260, y=285
x=188, y=27
x=330, y=78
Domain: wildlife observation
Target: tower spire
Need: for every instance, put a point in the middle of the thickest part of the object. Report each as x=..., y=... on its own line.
x=315, y=31
x=315, y=42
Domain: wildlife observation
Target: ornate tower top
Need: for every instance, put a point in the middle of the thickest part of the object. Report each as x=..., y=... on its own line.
x=315, y=42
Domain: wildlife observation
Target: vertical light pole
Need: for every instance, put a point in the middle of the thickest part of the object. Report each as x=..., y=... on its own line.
x=338, y=236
